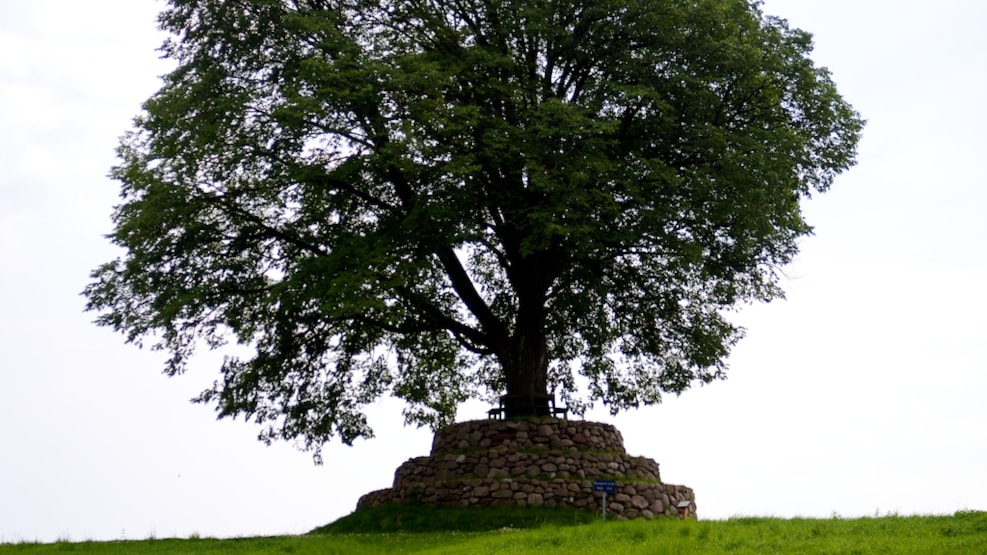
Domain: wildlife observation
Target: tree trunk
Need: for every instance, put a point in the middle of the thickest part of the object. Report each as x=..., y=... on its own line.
x=525, y=363
x=526, y=369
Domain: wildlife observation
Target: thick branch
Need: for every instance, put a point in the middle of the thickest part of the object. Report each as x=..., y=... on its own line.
x=467, y=292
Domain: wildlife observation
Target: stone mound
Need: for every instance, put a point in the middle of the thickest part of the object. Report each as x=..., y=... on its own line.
x=535, y=462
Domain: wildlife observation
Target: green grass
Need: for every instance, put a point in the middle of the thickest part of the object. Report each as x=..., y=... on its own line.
x=549, y=532
x=417, y=519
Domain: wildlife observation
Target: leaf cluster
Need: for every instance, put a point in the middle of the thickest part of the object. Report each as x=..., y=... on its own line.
x=396, y=197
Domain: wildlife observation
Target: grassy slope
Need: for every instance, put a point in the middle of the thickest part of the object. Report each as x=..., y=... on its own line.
x=964, y=532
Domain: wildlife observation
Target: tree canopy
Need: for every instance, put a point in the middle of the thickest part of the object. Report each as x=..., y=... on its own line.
x=448, y=199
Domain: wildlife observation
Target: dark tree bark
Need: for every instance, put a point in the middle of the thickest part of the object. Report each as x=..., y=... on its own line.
x=526, y=372
x=526, y=361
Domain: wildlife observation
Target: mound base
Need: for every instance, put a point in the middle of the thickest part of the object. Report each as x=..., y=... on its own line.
x=546, y=462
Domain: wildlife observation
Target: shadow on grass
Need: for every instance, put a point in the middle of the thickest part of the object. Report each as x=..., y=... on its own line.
x=420, y=518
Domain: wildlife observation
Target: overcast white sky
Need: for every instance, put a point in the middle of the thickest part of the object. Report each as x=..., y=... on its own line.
x=862, y=393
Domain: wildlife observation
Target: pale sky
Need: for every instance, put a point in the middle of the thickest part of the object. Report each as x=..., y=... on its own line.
x=863, y=393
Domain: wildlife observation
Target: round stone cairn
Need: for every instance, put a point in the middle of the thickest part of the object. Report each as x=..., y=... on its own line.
x=534, y=462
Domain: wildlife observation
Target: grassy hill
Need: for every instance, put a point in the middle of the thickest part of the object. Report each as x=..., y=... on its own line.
x=539, y=531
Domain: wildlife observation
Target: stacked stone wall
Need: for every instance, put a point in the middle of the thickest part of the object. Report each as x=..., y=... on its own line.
x=537, y=462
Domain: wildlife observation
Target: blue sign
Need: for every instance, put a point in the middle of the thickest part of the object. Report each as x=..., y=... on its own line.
x=606, y=486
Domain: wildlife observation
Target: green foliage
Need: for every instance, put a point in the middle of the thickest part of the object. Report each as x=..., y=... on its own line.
x=961, y=533
x=446, y=199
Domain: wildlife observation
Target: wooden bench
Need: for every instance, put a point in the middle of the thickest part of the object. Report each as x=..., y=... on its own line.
x=500, y=411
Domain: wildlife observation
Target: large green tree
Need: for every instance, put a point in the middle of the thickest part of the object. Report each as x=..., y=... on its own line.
x=445, y=199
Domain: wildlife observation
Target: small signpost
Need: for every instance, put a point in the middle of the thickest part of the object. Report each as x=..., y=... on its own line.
x=605, y=486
